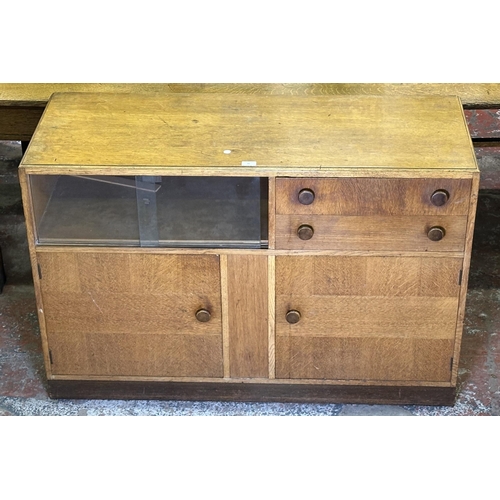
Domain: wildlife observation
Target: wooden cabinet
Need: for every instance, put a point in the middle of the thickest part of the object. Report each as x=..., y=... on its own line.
x=270, y=248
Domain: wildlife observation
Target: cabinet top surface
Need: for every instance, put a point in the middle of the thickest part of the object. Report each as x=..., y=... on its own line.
x=195, y=131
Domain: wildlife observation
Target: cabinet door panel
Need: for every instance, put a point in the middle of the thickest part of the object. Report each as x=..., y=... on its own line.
x=397, y=359
x=248, y=316
x=378, y=318
x=130, y=354
x=132, y=313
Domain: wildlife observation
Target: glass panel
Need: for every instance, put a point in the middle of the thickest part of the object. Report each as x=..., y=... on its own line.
x=218, y=212
x=146, y=188
x=210, y=211
x=85, y=210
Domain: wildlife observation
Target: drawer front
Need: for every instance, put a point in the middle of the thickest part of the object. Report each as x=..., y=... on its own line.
x=368, y=214
x=367, y=196
x=371, y=233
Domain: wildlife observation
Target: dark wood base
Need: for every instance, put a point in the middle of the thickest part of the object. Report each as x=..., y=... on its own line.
x=18, y=123
x=288, y=393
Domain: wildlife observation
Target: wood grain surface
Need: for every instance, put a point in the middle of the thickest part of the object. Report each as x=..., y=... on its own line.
x=372, y=196
x=123, y=312
x=22, y=104
x=421, y=276
x=359, y=232
x=248, y=316
x=196, y=131
x=130, y=354
x=395, y=359
x=365, y=317
x=271, y=273
x=471, y=94
x=360, y=313
x=37, y=94
x=437, y=394
x=18, y=123
x=465, y=276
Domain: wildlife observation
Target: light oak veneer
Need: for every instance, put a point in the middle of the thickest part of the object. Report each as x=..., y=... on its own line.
x=375, y=302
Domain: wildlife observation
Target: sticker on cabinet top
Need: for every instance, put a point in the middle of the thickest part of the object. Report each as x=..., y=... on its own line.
x=248, y=163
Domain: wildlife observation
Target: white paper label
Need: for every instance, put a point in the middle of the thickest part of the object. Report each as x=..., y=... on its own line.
x=248, y=163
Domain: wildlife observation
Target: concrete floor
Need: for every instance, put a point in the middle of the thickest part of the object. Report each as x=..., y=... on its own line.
x=22, y=383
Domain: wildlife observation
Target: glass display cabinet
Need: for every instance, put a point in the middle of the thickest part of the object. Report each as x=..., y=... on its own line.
x=260, y=248
x=152, y=211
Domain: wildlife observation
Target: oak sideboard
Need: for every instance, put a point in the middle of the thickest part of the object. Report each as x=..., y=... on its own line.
x=251, y=247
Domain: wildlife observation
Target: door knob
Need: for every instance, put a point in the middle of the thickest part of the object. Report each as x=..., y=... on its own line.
x=202, y=315
x=436, y=233
x=439, y=197
x=305, y=232
x=306, y=196
x=293, y=316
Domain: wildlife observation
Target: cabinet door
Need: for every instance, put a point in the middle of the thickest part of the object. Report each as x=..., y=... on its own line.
x=132, y=314
x=366, y=318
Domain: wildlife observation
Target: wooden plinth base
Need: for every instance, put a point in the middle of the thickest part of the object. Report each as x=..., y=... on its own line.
x=84, y=389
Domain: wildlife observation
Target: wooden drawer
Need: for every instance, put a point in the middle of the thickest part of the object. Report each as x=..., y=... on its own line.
x=372, y=214
x=371, y=233
x=369, y=196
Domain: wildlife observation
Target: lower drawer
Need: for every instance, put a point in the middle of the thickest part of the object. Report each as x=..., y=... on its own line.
x=366, y=233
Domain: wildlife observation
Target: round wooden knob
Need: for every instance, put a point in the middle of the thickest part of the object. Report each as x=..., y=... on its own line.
x=436, y=233
x=293, y=316
x=439, y=197
x=305, y=232
x=306, y=196
x=203, y=315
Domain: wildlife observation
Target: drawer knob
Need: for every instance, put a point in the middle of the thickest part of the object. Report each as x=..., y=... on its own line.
x=305, y=232
x=293, y=316
x=439, y=197
x=436, y=233
x=202, y=315
x=306, y=196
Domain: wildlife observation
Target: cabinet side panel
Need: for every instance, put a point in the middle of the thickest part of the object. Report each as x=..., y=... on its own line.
x=30, y=230
x=248, y=315
x=465, y=275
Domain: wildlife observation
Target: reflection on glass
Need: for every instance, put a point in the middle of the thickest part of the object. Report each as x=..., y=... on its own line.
x=164, y=211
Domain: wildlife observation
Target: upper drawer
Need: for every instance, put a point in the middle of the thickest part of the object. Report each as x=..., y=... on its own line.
x=370, y=196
